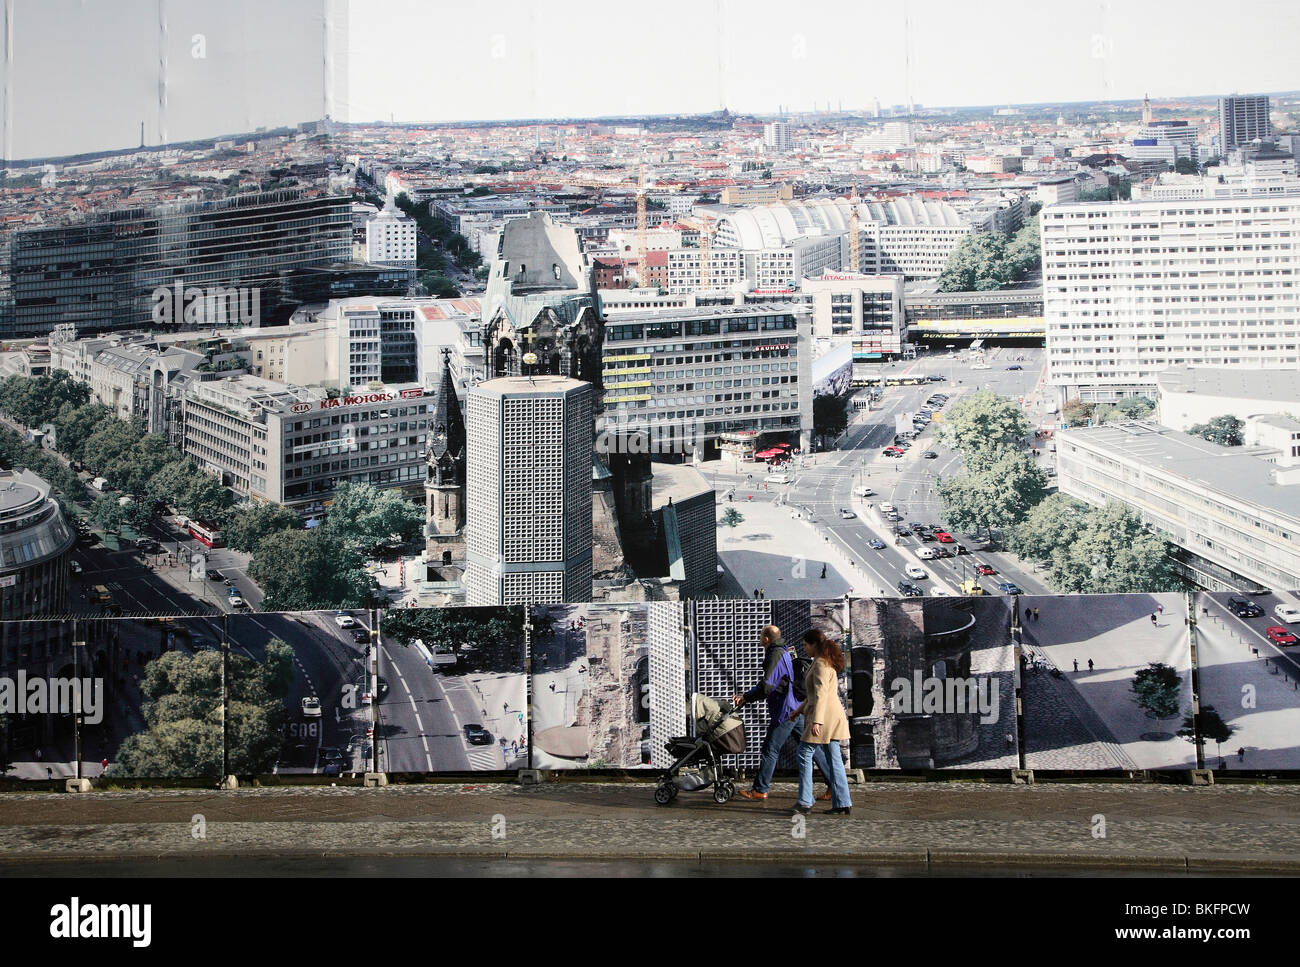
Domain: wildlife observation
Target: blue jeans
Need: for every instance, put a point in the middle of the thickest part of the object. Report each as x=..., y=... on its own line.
x=838, y=779
x=773, y=743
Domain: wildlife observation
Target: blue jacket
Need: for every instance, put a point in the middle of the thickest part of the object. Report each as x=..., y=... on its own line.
x=775, y=686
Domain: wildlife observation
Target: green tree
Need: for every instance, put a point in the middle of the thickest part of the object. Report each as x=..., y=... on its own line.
x=731, y=517
x=33, y=401
x=1156, y=689
x=1187, y=166
x=108, y=514
x=1129, y=408
x=439, y=285
x=206, y=499
x=1076, y=412
x=1055, y=522
x=982, y=426
x=1223, y=430
x=309, y=570
x=111, y=445
x=830, y=415
x=363, y=517
x=74, y=424
x=1112, y=553
x=486, y=639
x=245, y=527
x=977, y=263
x=1210, y=725
x=999, y=495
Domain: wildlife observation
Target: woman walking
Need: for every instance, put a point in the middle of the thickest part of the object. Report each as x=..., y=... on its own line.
x=825, y=723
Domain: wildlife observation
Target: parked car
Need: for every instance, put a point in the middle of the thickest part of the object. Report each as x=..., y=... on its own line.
x=311, y=707
x=1287, y=613
x=876, y=544
x=147, y=544
x=475, y=734
x=1281, y=636
x=910, y=590
x=1244, y=609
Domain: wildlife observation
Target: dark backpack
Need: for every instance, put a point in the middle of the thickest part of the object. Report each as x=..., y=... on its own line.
x=799, y=666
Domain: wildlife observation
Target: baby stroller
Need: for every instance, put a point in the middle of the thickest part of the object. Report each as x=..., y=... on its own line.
x=699, y=760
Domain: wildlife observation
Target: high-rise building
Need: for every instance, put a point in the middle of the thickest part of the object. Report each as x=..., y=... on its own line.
x=1132, y=288
x=390, y=238
x=776, y=135
x=35, y=548
x=529, y=490
x=1242, y=119
x=667, y=677
x=144, y=267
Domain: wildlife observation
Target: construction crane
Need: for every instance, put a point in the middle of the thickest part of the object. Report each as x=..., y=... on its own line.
x=855, y=264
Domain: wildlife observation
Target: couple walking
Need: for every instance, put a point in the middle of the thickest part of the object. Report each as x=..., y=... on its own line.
x=802, y=696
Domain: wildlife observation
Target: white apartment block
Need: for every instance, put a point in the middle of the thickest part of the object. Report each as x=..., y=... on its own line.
x=390, y=239
x=726, y=268
x=1233, y=514
x=868, y=308
x=1130, y=289
x=777, y=136
x=1189, y=396
x=668, y=663
x=528, y=490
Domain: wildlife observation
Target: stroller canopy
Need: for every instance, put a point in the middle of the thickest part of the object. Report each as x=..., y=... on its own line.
x=723, y=730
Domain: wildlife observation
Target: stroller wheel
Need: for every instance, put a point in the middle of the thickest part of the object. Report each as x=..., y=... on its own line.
x=665, y=792
x=723, y=792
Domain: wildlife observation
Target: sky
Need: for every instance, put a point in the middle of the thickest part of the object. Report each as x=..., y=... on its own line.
x=80, y=75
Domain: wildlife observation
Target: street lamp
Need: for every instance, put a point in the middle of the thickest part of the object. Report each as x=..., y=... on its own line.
x=77, y=646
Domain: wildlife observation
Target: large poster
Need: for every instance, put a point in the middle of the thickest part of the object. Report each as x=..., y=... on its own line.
x=1248, y=659
x=933, y=684
x=1106, y=681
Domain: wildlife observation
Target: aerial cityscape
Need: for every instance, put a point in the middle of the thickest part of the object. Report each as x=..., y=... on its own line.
x=388, y=429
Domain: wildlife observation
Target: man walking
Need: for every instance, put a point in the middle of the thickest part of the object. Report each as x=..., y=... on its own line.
x=782, y=686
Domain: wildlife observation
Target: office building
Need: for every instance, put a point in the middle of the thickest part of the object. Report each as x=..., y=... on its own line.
x=687, y=375
x=122, y=269
x=35, y=548
x=1188, y=396
x=1242, y=119
x=528, y=530
x=1130, y=289
x=1233, y=514
x=867, y=308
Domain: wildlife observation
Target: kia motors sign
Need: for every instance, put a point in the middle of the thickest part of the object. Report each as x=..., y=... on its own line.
x=300, y=408
x=361, y=399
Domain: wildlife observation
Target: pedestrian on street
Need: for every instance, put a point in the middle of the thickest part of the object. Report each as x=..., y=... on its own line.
x=1153, y=619
x=49, y=772
x=825, y=723
x=103, y=766
x=1035, y=614
x=823, y=569
x=783, y=690
x=755, y=594
x=552, y=686
x=1160, y=609
x=764, y=594
x=1076, y=664
x=1089, y=664
x=1241, y=754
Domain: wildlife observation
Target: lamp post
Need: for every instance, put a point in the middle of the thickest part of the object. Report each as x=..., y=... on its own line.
x=77, y=646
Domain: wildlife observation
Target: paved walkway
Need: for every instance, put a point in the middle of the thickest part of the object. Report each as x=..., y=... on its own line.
x=917, y=823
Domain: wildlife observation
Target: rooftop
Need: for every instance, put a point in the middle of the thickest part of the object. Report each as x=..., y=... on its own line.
x=1272, y=385
x=676, y=482
x=19, y=489
x=1241, y=475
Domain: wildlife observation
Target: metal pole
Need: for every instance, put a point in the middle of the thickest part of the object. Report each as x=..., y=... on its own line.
x=225, y=697
x=372, y=670
x=76, y=715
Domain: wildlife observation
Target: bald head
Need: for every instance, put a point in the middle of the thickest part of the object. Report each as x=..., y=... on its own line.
x=771, y=634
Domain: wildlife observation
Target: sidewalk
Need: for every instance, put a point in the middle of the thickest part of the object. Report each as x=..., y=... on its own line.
x=1148, y=826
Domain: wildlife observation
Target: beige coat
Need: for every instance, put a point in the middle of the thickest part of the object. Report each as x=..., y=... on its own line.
x=823, y=705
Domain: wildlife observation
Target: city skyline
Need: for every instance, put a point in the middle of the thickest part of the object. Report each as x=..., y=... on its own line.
x=187, y=76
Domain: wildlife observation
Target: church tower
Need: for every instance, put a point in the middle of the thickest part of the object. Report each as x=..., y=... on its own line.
x=444, y=484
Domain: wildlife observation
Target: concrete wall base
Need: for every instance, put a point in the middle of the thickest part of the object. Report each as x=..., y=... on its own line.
x=1200, y=777
x=533, y=777
x=76, y=785
x=857, y=776
x=372, y=779
x=1022, y=777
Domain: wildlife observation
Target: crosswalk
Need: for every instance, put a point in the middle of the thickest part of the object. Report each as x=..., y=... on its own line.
x=484, y=758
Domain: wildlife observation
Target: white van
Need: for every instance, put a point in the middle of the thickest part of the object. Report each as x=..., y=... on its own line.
x=886, y=508
x=926, y=553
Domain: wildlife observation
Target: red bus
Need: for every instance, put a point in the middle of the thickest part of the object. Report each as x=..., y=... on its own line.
x=206, y=534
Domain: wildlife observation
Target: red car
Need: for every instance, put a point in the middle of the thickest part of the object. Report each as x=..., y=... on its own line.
x=1280, y=636
x=984, y=569
x=943, y=537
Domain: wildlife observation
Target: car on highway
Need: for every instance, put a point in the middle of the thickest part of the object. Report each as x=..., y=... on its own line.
x=1243, y=608
x=345, y=621
x=916, y=571
x=328, y=754
x=985, y=569
x=147, y=544
x=887, y=508
x=929, y=455
x=894, y=451
x=360, y=636
x=311, y=707
x=475, y=734
x=235, y=601
x=941, y=551
x=1280, y=636
x=876, y=544
x=846, y=514
x=863, y=492
x=910, y=590
x=1287, y=613
x=1015, y=367
x=926, y=536
x=1007, y=587
x=971, y=587
x=215, y=575
x=936, y=378
x=779, y=478
x=927, y=553
x=916, y=525
x=943, y=537
x=960, y=549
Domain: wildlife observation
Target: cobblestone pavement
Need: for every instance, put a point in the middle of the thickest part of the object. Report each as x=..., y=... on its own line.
x=1146, y=825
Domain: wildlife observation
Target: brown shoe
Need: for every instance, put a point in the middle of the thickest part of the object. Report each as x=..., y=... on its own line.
x=750, y=794
x=825, y=797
